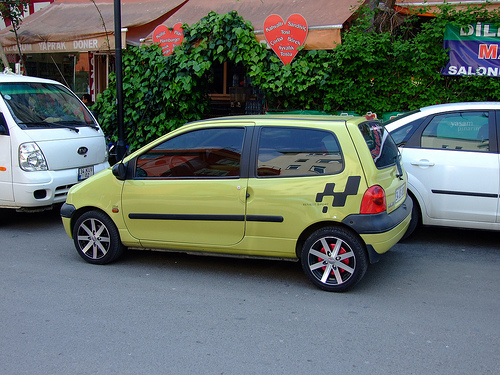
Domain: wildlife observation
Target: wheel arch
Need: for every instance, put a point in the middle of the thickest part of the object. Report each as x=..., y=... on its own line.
x=416, y=205
x=323, y=224
x=96, y=236
x=416, y=217
x=82, y=210
x=415, y=190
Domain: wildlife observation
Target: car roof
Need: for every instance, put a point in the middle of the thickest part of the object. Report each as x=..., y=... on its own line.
x=13, y=77
x=462, y=105
x=279, y=119
x=405, y=118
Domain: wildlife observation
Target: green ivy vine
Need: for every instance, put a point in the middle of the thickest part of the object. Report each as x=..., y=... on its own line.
x=369, y=71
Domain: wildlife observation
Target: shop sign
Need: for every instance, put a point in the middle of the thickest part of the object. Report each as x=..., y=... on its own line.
x=167, y=38
x=79, y=45
x=473, y=50
x=285, y=38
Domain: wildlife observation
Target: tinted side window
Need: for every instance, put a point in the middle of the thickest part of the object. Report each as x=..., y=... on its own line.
x=467, y=131
x=403, y=133
x=298, y=152
x=381, y=145
x=201, y=153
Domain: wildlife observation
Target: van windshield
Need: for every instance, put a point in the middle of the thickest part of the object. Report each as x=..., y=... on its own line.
x=43, y=105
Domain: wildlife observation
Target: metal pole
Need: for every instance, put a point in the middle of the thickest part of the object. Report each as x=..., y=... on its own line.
x=121, y=147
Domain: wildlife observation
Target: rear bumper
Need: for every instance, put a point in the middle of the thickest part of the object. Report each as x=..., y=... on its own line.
x=381, y=231
x=382, y=222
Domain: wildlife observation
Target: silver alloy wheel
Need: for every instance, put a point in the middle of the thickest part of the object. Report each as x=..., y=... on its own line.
x=93, y=238
x=331, y=261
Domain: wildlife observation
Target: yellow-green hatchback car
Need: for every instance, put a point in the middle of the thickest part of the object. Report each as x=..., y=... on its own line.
x=328, y=191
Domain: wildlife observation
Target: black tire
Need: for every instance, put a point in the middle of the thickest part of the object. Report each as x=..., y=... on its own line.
x=414, y=221
x=341, y=266
x=96, y=238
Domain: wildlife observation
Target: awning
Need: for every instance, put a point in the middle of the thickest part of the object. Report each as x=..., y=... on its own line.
x=431, y=6
x=325, y=18
x=83, y=25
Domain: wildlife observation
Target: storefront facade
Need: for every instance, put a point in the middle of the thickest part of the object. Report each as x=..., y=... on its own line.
x=82, y=64
x=231, y=92
x=73, y=42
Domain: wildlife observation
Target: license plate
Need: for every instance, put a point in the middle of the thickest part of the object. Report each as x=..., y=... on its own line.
x=85, y=172
x=400, y=193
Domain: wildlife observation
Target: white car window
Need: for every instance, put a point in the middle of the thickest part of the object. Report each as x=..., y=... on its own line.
x=466, y=131
x=402, y=133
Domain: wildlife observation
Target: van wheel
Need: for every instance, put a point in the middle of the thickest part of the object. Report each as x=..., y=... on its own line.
x=96, y=238
x=334, y=259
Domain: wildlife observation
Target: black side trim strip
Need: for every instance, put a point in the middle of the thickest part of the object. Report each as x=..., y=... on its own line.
x=260, y=218
x=265, y=218
x=187, y=217
x=465, y=193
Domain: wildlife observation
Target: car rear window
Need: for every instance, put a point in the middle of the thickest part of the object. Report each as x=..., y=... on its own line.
x=382, y=147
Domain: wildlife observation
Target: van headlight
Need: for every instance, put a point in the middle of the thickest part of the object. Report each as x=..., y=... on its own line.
x=31, y=158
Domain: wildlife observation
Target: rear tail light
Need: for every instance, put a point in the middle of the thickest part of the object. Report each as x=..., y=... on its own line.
x=373, y=201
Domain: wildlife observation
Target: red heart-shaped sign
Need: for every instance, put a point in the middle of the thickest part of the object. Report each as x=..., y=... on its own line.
x=167, y=38
x=285, y=37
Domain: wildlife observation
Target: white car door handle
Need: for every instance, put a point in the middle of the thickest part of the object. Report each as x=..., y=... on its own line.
x=422, y=163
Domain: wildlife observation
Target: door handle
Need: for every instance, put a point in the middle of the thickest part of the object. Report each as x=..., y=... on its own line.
x=422, y=163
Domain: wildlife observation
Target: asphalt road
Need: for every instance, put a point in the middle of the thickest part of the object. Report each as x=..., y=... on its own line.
x=430, y=306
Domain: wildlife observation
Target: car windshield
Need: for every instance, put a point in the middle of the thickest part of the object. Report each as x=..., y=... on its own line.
x=36, y=105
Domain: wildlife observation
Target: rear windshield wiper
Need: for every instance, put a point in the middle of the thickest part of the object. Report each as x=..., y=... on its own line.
x=398, y=166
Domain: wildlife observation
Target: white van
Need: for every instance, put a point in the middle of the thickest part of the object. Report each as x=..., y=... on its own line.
x=49, y=141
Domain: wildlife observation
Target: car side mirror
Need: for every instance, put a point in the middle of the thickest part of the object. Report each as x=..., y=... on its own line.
x=4, y=129
x=120, y=171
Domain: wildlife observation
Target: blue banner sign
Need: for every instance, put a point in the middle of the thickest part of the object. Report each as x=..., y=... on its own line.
x=473, y=50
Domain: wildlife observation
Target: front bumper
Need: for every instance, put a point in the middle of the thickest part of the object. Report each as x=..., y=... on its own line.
x=44, y=188
x=67, y=211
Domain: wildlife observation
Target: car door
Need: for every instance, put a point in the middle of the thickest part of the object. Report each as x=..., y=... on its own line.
x=6, y=193
x=453, y=165
x=295, y=175
x=189, y=189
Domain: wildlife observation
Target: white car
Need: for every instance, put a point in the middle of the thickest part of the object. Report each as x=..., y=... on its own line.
x=451, y=155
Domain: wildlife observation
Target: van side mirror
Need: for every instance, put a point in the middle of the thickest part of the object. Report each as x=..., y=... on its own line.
x=120, y=171
x=4, y=129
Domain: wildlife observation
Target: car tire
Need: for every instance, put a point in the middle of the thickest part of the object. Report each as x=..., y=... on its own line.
x=96, y=238
x=414, y=221
x=341, y=266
